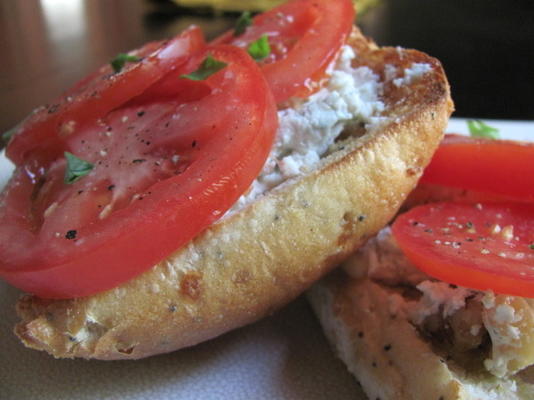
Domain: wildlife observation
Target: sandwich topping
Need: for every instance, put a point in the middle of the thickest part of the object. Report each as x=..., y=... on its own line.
x=463, y=324
x=308, y=127
x=133, y=181
x=138, y=158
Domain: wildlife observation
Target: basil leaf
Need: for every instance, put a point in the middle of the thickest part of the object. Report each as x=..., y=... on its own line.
x=260, y=48
x=121, y=59
x=6, y=137
x=208, y=67
x=478, y=128
x=244, y=21
x=76, y=168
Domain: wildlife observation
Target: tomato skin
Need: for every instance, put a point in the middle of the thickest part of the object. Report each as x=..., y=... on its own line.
x=498, y=167
x=238, y=113
x=45, y=130
x=439, y=239
x=305, y=36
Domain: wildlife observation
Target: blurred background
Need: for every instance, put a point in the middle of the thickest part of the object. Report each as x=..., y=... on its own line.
x=486, y=46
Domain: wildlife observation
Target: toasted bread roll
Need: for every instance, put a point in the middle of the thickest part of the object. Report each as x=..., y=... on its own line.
x=368, y=316
x=259, y=258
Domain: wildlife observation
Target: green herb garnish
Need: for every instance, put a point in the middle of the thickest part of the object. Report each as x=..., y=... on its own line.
x=208, y=67
x=244, y=21
x=478, y=128
x=532, y=246
x=260, y=48
x=121, y=59
x=76, y=168
x=6, y=137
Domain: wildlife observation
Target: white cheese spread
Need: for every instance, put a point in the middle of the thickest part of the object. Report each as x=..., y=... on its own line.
x=413, y=73
x=307, y=127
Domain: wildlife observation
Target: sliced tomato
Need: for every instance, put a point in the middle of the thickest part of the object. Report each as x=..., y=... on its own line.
x=46, y=130
x=304, y=35
x=484, y=247
x=166, y=164
x=499, y=167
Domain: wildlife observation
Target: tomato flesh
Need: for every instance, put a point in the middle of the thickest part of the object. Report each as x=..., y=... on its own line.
x=484, y=247
x=45, y=130
x=304, y=35
x=167, y=164
x=499, y=167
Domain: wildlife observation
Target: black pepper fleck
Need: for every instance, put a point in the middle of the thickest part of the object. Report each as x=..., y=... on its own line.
x=194, y=144
x=374, y=364
x=360, y=334
x=140, y=113
x=138, y=160
x=361, y=218
x=71, y=234
x=172, y=308
x=53, y=108
x=387, y=347
x=111, y=187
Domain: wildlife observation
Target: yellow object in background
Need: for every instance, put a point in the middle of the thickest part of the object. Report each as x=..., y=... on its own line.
x=231, y=5
x=257, y=5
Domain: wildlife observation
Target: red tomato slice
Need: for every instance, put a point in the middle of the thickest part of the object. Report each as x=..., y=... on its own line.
x=45, y=131
x=484, y=247
x=493, y=166
x=166, y=166
x=304, y=35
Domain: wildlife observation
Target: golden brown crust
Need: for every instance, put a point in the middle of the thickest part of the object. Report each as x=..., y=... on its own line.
x=257, y=260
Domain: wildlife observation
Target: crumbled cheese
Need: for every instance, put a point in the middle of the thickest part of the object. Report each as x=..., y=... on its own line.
x=488, y=300
x=505, y=314
x=475, y=329
x=308, y=127
x=491, y=389
x=412, y=74
x=438, y=296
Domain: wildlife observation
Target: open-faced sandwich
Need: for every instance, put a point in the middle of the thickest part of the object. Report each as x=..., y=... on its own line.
x=441, y=305
x=191, y=188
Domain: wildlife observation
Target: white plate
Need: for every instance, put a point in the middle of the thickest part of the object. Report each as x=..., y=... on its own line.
x=282, y=357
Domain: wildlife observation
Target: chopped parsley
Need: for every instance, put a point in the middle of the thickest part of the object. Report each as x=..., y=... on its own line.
x=71, y=234
x=478, y=128
x=260, y=49
x=244, y=21
x=121, y=59
x=76, y=168
x=208, y=67
x=6, y=137
x=532, y=246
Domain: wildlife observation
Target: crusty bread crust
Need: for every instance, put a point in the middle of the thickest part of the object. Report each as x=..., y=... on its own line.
x=260, y=258
x=387, y=354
